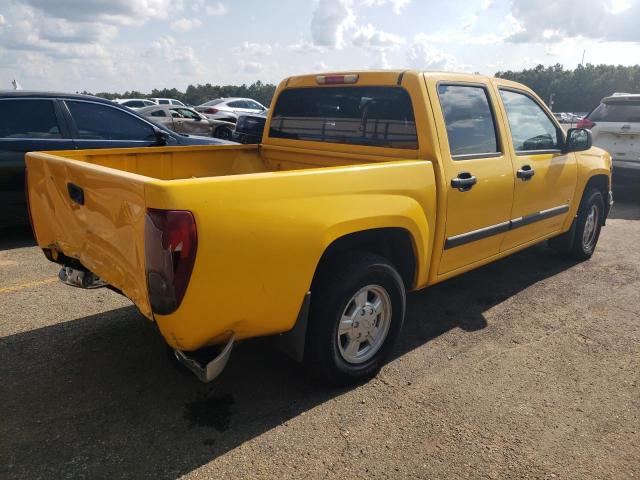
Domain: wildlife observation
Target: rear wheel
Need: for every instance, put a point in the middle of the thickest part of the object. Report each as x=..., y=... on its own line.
x=580, y=242
x=223, y=133
x=357, y=311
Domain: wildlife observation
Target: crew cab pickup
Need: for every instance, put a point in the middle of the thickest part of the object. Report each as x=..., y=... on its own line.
x=366, y=185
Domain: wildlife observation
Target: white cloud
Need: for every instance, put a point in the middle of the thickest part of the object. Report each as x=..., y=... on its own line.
x=254, y=49
x=167, y=50
x=185, y=24
x=120, y=12
x=397, y=5
x=423, y=55
x=545, y=22
x=304, y=47
x=329, y=22
x=369, y=36
x=2, y=20
x=215, y=9
x=250, y=67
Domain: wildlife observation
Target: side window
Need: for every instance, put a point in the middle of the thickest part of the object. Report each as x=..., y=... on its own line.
x=470, y=124
x=185, y=112
x=254, y=105
x=163, y=102
x=28, y=119
x=102, y=122
x=531, y=128
x=237, y=104
x=176, y=102
x=158, y=113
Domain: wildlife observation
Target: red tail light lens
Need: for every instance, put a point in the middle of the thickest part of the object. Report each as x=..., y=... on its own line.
x=585, y=123
x=211, y=110
x=170, y=246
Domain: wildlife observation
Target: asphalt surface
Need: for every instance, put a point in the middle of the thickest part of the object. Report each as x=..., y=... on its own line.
x=525, y=368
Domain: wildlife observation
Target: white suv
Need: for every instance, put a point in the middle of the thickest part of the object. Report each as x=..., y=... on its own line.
x=615, y=125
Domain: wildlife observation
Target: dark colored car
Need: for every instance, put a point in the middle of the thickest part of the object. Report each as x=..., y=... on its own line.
x=249, y=128
x=31, y=121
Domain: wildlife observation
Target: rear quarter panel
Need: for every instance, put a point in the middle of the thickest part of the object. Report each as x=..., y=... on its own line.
x=261, y=236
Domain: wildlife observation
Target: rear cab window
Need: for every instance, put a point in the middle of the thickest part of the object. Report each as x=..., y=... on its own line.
x=621, y=111
x=372, y=116
x=27, y=118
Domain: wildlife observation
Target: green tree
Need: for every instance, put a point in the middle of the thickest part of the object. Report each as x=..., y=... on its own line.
x=578, y=90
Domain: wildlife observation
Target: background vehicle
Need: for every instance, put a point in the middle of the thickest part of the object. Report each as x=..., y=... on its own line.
x=57, y=121
x=229, y=108
x=134, y=102
x=249, y=128
x=167, y=101
x=352, y=199
x=187, y=120
x=615, y=126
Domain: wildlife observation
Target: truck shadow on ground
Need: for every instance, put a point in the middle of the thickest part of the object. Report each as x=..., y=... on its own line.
x=98, y=397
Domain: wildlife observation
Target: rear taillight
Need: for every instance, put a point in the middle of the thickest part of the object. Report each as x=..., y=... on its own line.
x=210, y=110
x=26, y=194
x=585, y=123
x=170, y=243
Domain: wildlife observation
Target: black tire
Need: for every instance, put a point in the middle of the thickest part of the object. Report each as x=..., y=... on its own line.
x=575, y=244
x=223, y=133
x=331, y=295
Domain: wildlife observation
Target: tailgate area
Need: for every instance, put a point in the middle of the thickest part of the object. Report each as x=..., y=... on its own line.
x=93, y=214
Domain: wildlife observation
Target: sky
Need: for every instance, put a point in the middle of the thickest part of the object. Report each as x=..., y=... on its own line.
x=118, y=45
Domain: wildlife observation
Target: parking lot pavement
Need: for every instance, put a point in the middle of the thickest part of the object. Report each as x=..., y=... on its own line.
x=525, y=368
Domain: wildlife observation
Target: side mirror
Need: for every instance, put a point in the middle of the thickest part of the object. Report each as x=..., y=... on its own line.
x=578, y=140
x=162, y=137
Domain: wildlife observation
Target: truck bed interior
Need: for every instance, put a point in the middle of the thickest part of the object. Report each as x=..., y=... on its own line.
x=221, y=160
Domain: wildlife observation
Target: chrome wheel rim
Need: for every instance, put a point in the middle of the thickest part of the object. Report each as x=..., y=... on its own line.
x=364, y=324
x=590, y=228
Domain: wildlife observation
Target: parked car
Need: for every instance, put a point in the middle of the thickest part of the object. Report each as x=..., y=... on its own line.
x=57, y=121
x=377, y=184
x=187, y=120
x=615, y=126
x=229, y=108
x=134, y=102
x=249, y=128
x=167, y=101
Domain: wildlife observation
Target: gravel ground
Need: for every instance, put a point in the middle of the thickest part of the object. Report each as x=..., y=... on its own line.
x=525, y=368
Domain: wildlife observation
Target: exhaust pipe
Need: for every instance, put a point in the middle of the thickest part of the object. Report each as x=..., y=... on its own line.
x=80, y=278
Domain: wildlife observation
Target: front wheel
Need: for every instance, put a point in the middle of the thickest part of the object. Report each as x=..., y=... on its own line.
x=357, y=311
x=580, y=242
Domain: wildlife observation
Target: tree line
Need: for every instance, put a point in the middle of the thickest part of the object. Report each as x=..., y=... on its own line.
x=198, y=94
x=578, y=90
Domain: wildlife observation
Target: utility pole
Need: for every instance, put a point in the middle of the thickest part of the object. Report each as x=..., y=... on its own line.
x=583, y=52
x=552, y=98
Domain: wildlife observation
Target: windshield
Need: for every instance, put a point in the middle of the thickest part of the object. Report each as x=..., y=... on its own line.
x=374, y=116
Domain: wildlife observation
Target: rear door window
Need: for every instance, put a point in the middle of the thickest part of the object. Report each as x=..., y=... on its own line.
x=625, y=112
x=470, y=123
x=103, y=122
x=26, y=118
x=372, y=116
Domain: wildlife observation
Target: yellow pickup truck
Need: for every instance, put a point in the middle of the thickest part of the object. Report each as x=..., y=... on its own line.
x=366, y=185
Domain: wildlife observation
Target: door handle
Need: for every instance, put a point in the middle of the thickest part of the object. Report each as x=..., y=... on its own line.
x=464, y=181
x=525, y=173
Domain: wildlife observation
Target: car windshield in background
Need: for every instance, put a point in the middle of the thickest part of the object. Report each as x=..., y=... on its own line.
x=616, y=112
x=374, y=116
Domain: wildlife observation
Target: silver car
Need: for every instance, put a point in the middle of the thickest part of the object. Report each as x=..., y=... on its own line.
x=188, y=121
x=229, y=108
